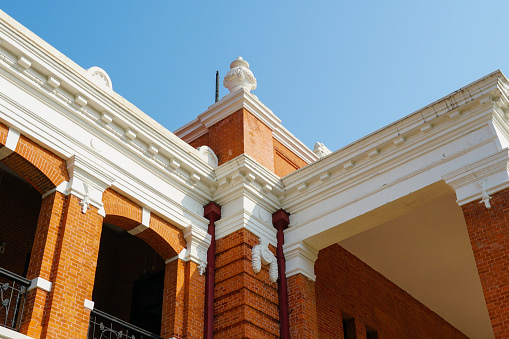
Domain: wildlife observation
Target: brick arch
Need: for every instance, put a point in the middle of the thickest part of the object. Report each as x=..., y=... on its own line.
x=161, y=234
x=121, y=211
x=166, y=239
x=37, y=165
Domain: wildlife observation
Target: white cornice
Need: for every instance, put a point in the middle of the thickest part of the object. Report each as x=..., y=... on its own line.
x=75, y=82
x=94, y=130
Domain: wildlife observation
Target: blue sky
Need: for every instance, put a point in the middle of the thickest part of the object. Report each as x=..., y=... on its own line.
x=332, y=71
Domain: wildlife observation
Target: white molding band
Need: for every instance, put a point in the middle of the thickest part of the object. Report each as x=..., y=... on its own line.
x=300, y=259
x=145, y=223
x=89, y=304
x=10, y=144
x=41, y=283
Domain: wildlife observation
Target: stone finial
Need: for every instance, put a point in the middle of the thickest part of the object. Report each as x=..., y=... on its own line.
x=239, y=76
x=100, y=77
x=321, y=150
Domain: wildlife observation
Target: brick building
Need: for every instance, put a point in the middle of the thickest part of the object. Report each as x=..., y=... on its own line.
x=230, y=227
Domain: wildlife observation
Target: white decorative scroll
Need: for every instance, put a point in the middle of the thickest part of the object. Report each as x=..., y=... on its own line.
x=262, y=255
x=485, y=197
x=85, y=202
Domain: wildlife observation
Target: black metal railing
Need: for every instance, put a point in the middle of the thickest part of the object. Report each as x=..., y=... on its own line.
x=13, y=290
x=105, y=326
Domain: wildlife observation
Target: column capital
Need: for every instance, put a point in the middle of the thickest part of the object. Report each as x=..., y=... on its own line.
x=87, y=183
x=300, y=259
x=480, y=179
x=198, y=242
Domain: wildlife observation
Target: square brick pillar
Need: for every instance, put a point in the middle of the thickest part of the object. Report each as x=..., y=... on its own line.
x=246, y=303
x=183, y=300
x=489, y=236
x=302, y=306
x=41, y=261
x=300, y=261
x=73, y=272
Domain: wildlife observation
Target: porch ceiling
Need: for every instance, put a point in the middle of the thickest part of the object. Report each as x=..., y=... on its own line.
x=426, y=251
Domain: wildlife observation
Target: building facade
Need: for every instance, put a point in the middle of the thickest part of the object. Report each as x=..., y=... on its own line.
x=112, y=226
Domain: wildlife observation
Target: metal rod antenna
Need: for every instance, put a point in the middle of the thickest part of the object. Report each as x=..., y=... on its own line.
x=217, y=86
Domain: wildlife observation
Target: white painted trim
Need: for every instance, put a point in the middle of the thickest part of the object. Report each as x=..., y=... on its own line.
x=300, y=259
x=198, y=242
x=62, y=188
x=145, y=222
x=181, y=256
x=10, y=144
x=89, y=304
x=41, y=283
x=12, y=139
x=6, y=333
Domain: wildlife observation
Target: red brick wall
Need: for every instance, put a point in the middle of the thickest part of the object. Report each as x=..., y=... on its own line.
x=201, y=141
x=120, y=211
x=239, y=133
x=246, y=304
x=258, y=142
x=489, y=236
x=285, y=161
x=40, y=167
x=226, y=138
x=3, y=133
x=346, y=284
x=302, y=306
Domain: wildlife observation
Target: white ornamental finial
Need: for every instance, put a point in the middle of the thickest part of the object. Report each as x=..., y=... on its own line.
x=239, y=76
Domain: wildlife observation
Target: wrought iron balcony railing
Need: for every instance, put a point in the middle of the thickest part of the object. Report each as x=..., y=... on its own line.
x=105, y=326
x=13, y=290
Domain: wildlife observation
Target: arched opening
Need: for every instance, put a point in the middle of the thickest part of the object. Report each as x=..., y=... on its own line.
x=20, y=204
x=129, y=284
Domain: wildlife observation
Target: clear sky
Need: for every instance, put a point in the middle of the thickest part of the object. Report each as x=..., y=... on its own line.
x=332, y=71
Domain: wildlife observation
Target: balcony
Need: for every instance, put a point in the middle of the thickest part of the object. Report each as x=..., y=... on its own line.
x=103, y=325
x=13, y=290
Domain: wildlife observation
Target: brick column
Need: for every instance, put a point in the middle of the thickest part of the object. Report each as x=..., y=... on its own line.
x=489, y=236
x=194, y=301
x=245, y=302
x=74, y=272
x=183, y=300
x=41, y=261
x=172, y=323
x=300, y=260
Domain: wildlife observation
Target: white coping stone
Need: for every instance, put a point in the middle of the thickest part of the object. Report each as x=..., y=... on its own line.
x=89, y=304
x=41, y=283
x=6, y=333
